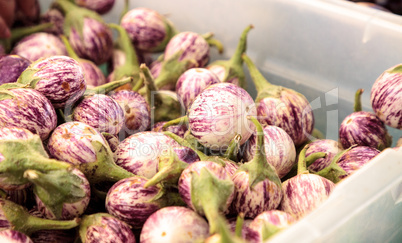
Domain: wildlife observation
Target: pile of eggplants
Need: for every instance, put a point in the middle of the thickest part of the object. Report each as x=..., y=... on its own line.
x=164, y=144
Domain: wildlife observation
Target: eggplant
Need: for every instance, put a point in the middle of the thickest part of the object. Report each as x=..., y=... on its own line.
x=103, y=227
x=363, y=128
x=14, y=236
x=27, y=108
x=130, y=202
x=271, y=222
x=179, y=130
x=148, y=30
x=137, y=112
x=258, y=187
x=231, y=70
x=86, y=31
x=39, y=45
x=59, y=78
x=159, y=227
x=305, y=192
x=243, y=230
x=23, y=197
x=192, y=82
x=280, y=150
x=282, y=107
x=328, y=146
x=13, y=132
x=112, y=140
x=101, y=112
x=55, y=17
x=119, y=58
x=355, y=158
x=86, y=148
x=386, y=97
x=99, y=6
x=11, y=67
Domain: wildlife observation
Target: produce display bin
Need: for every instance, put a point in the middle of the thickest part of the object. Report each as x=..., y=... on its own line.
x=325, y=49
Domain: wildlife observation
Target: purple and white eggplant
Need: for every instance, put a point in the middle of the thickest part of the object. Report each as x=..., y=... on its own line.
x=257, y=185
x=39, y=45
x=13, y=236
x=55, y=17
x=59, y=78
x=68, y=203
x=305, y=192
x=12, y=132
x=100, y=112
x=112, y=140
x=386, y=97
x=148, y=30
x=271, y=222
x=328, y=146
x=27, y=108
x=192, y=82
x=231, y=70
x=130, y=202
x=159, y=227
x=99, y=6
x=179, y=130
x=245, y=232
x=83, y=146
x=103, y=227
x=363, y=128
x=87, y=33
x=282, y=107
x=11, y=67
x=137, y=112
x=280, y=150
x=16, y=217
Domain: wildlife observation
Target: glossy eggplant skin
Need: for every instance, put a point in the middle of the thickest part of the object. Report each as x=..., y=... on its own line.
x=99, y=6
x=56, y=17
x=11, y=67
x=179, y=130
x=29, y=109
x=13, y=236
x=328, y=146
x=356, y=158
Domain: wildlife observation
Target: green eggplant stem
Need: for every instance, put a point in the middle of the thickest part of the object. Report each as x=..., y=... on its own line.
x=126, y=46
x=108, y=87
x=126, y=8
x=36, y=224
x=261, y=84
x=241, y=46
x=149, y=84
x=64, y=6
x=358, y=102
x=303, y=161
x=19, y=33
x=239, y=224
x=233, y=148
x=184, y=143
x=178, y=121
x=69, y=49
x=333, y=171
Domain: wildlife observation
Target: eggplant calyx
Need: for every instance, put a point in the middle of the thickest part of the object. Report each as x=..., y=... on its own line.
x=233, y=148
x=334, y=171
x=108, y=87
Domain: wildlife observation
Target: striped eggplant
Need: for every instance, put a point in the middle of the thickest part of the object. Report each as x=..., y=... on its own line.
x=328, y=146
x=101, y=112
x=159, y=227
x=280, y=150
x=103, y=227
x=305, y=192
x=282, y=107
x=248, y=234
x=355, y=158
x=99, y=6
x=179, y=130
x=155, y=68
x=386, y=97
x=71, y=204
x=16, y=217
x=87, y=33
x=363, y=128
x=59, y=78
x=186, y=154
x=39, y=45
x=11, y=67
x=86, y=148
x=148, y=30
x=140, y=152
x=267, y=223
x=13, y=132
x=192, y=82
x=130, y=202
x=257, y=185
x=27, y=108
x=219, y=113
x=23, y=197
x=112, y=140
x=14, y=236
x=55, y=17
x=137, y=112
x=231, y=70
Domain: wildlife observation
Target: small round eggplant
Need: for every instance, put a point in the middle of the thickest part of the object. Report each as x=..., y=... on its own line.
x=55, y=17
x=23, y=197
x=328, y=146
x=140, y=152
x=247, y=233
x=192, y=47
x=101, y=112
x=137, y=112
x=163, y=226
x=355, y=158
x=11, y=67
x=13, y=236
x=279, y=149
x=186, y=154
x=99, y=6
x=270, y=222
x=179, y=130
x=15, y=133
x=282, y=107
x=386, y=97
x=219, y=113
x=39, y=45
x=192, y=82
x=103, y=227
x=148, y=30
x=29, y=109
x=59, y=78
